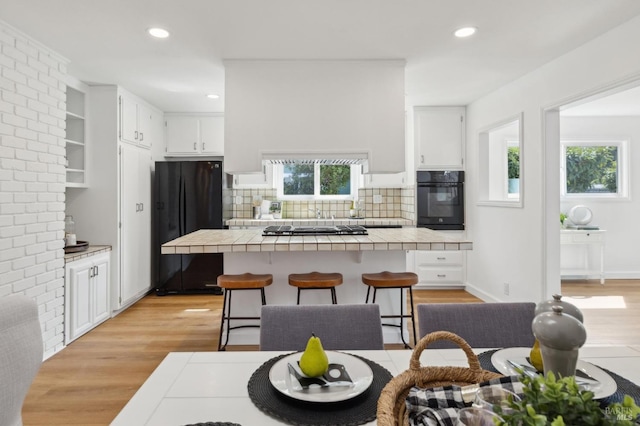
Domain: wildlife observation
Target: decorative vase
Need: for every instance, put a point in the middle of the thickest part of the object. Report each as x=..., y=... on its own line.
x=560, y=337
x=567, y=308
x=547, y=306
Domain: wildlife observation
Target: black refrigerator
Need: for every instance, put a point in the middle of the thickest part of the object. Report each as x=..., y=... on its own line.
x=188, y=195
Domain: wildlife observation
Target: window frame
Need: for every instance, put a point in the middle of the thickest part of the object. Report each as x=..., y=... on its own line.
x=493, y=163
x=356, y=171
x=622, y=146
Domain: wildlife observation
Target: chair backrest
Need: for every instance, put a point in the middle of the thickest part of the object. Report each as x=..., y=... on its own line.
x=339, y=327
x=20, y=354
x=482, y=325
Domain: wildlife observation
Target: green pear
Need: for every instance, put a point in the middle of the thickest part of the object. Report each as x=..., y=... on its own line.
x=314, y=361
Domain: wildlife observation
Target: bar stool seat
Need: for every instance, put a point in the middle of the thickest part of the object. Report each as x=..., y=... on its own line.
x=391, y=280
x=317, y=281
x=246, y=281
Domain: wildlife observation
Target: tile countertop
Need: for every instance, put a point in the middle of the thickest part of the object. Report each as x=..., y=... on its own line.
x=90, y=251
x=312, y=222
x=251, y=240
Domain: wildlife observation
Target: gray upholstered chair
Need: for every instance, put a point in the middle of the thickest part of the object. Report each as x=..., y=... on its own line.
x=20, y=354
x=339, y=327
x=482, y=325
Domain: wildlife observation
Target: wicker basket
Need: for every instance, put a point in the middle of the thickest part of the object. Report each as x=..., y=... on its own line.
x=391, y=405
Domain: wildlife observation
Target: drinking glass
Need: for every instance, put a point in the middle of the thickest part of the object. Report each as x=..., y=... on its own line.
x=489, y=396
x=476, y=416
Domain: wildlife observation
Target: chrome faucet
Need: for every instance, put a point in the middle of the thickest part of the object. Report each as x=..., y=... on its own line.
x=318, y=213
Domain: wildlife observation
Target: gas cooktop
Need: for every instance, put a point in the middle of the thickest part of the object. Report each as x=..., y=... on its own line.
x=314, y=230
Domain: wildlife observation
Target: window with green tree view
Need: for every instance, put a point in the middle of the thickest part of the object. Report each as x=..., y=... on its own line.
x=594, y=168
x=316, y=181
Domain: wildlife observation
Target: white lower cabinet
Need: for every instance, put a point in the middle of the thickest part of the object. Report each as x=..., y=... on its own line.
x=86, y=294
x=440, y=268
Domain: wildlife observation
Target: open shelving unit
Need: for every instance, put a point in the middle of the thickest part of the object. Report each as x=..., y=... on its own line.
x=76, y=138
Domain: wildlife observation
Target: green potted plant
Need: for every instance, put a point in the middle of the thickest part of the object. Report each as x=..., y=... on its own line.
x=513, y=169
x=563, y=217
x=559, y=402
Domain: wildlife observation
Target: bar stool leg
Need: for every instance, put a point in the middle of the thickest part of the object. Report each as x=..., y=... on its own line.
x=222, y=320
x=298, y=302
x=413, y=319
x=402, y=317
x=334, y=298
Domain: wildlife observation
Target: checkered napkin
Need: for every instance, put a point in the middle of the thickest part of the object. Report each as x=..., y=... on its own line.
x=440, y=405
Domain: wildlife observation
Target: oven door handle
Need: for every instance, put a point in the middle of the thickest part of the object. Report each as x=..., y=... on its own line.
x=439, y=185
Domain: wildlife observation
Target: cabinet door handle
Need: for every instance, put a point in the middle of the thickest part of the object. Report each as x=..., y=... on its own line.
x=135, y=135
x=96, y=271
x=195, y=146
x=141, y=136
x=137, y=207
x=141, y=207
x=441, y=258
x=422, y=159
x=442, y=275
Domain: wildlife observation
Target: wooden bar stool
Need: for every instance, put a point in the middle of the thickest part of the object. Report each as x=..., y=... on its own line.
x=388, y=280
x=317, y=281
x=239, y=282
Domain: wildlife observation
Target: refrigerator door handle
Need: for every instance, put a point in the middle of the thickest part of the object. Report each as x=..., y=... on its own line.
x=184, y=206
x=181, y=206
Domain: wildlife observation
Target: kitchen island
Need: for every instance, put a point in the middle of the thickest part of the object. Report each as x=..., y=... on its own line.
x=247, y=250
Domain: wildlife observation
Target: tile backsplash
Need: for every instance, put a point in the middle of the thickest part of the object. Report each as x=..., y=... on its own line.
x=393, y=203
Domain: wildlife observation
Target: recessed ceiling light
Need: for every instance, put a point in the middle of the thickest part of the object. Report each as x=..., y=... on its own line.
x=465, y=32
x=158, y=32
x=213, y=96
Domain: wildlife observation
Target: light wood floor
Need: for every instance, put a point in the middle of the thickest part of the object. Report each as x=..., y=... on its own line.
x=92, y=379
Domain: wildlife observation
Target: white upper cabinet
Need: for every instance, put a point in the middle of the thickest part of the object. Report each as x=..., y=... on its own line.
x=439, y=134
x=390, y=180
x=194, y=135
x=136, y=121
x=255, y=180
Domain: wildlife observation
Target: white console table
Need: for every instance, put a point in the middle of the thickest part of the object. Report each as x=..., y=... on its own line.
x=586, y=237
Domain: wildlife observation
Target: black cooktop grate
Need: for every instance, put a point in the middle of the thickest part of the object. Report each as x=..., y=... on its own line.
x=277, y=230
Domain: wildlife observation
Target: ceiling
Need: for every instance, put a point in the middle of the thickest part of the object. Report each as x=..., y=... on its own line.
x=106, y=41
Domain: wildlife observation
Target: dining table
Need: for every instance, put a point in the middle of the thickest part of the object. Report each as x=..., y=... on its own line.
x=190, y=388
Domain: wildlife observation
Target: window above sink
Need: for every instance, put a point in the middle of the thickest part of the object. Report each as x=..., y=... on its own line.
x=316, y=181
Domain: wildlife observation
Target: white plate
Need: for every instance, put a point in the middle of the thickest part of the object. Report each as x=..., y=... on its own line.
x=605, y=388
x=358, y=370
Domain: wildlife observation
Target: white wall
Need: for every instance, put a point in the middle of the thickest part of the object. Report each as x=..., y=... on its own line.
x=32, y=178
x=333, y=108
x=618, y=217
x=521, y=245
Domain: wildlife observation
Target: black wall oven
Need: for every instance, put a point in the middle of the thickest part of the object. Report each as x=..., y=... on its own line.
x=440, y=199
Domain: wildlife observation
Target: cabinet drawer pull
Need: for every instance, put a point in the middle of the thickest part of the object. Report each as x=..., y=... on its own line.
x=141, y=136
x=135, y=134
x=195, y=146
x=96, y=271
x=442, y=275
x=441, y=258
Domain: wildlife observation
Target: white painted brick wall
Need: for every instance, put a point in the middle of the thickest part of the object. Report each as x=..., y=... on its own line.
x=32, y=176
